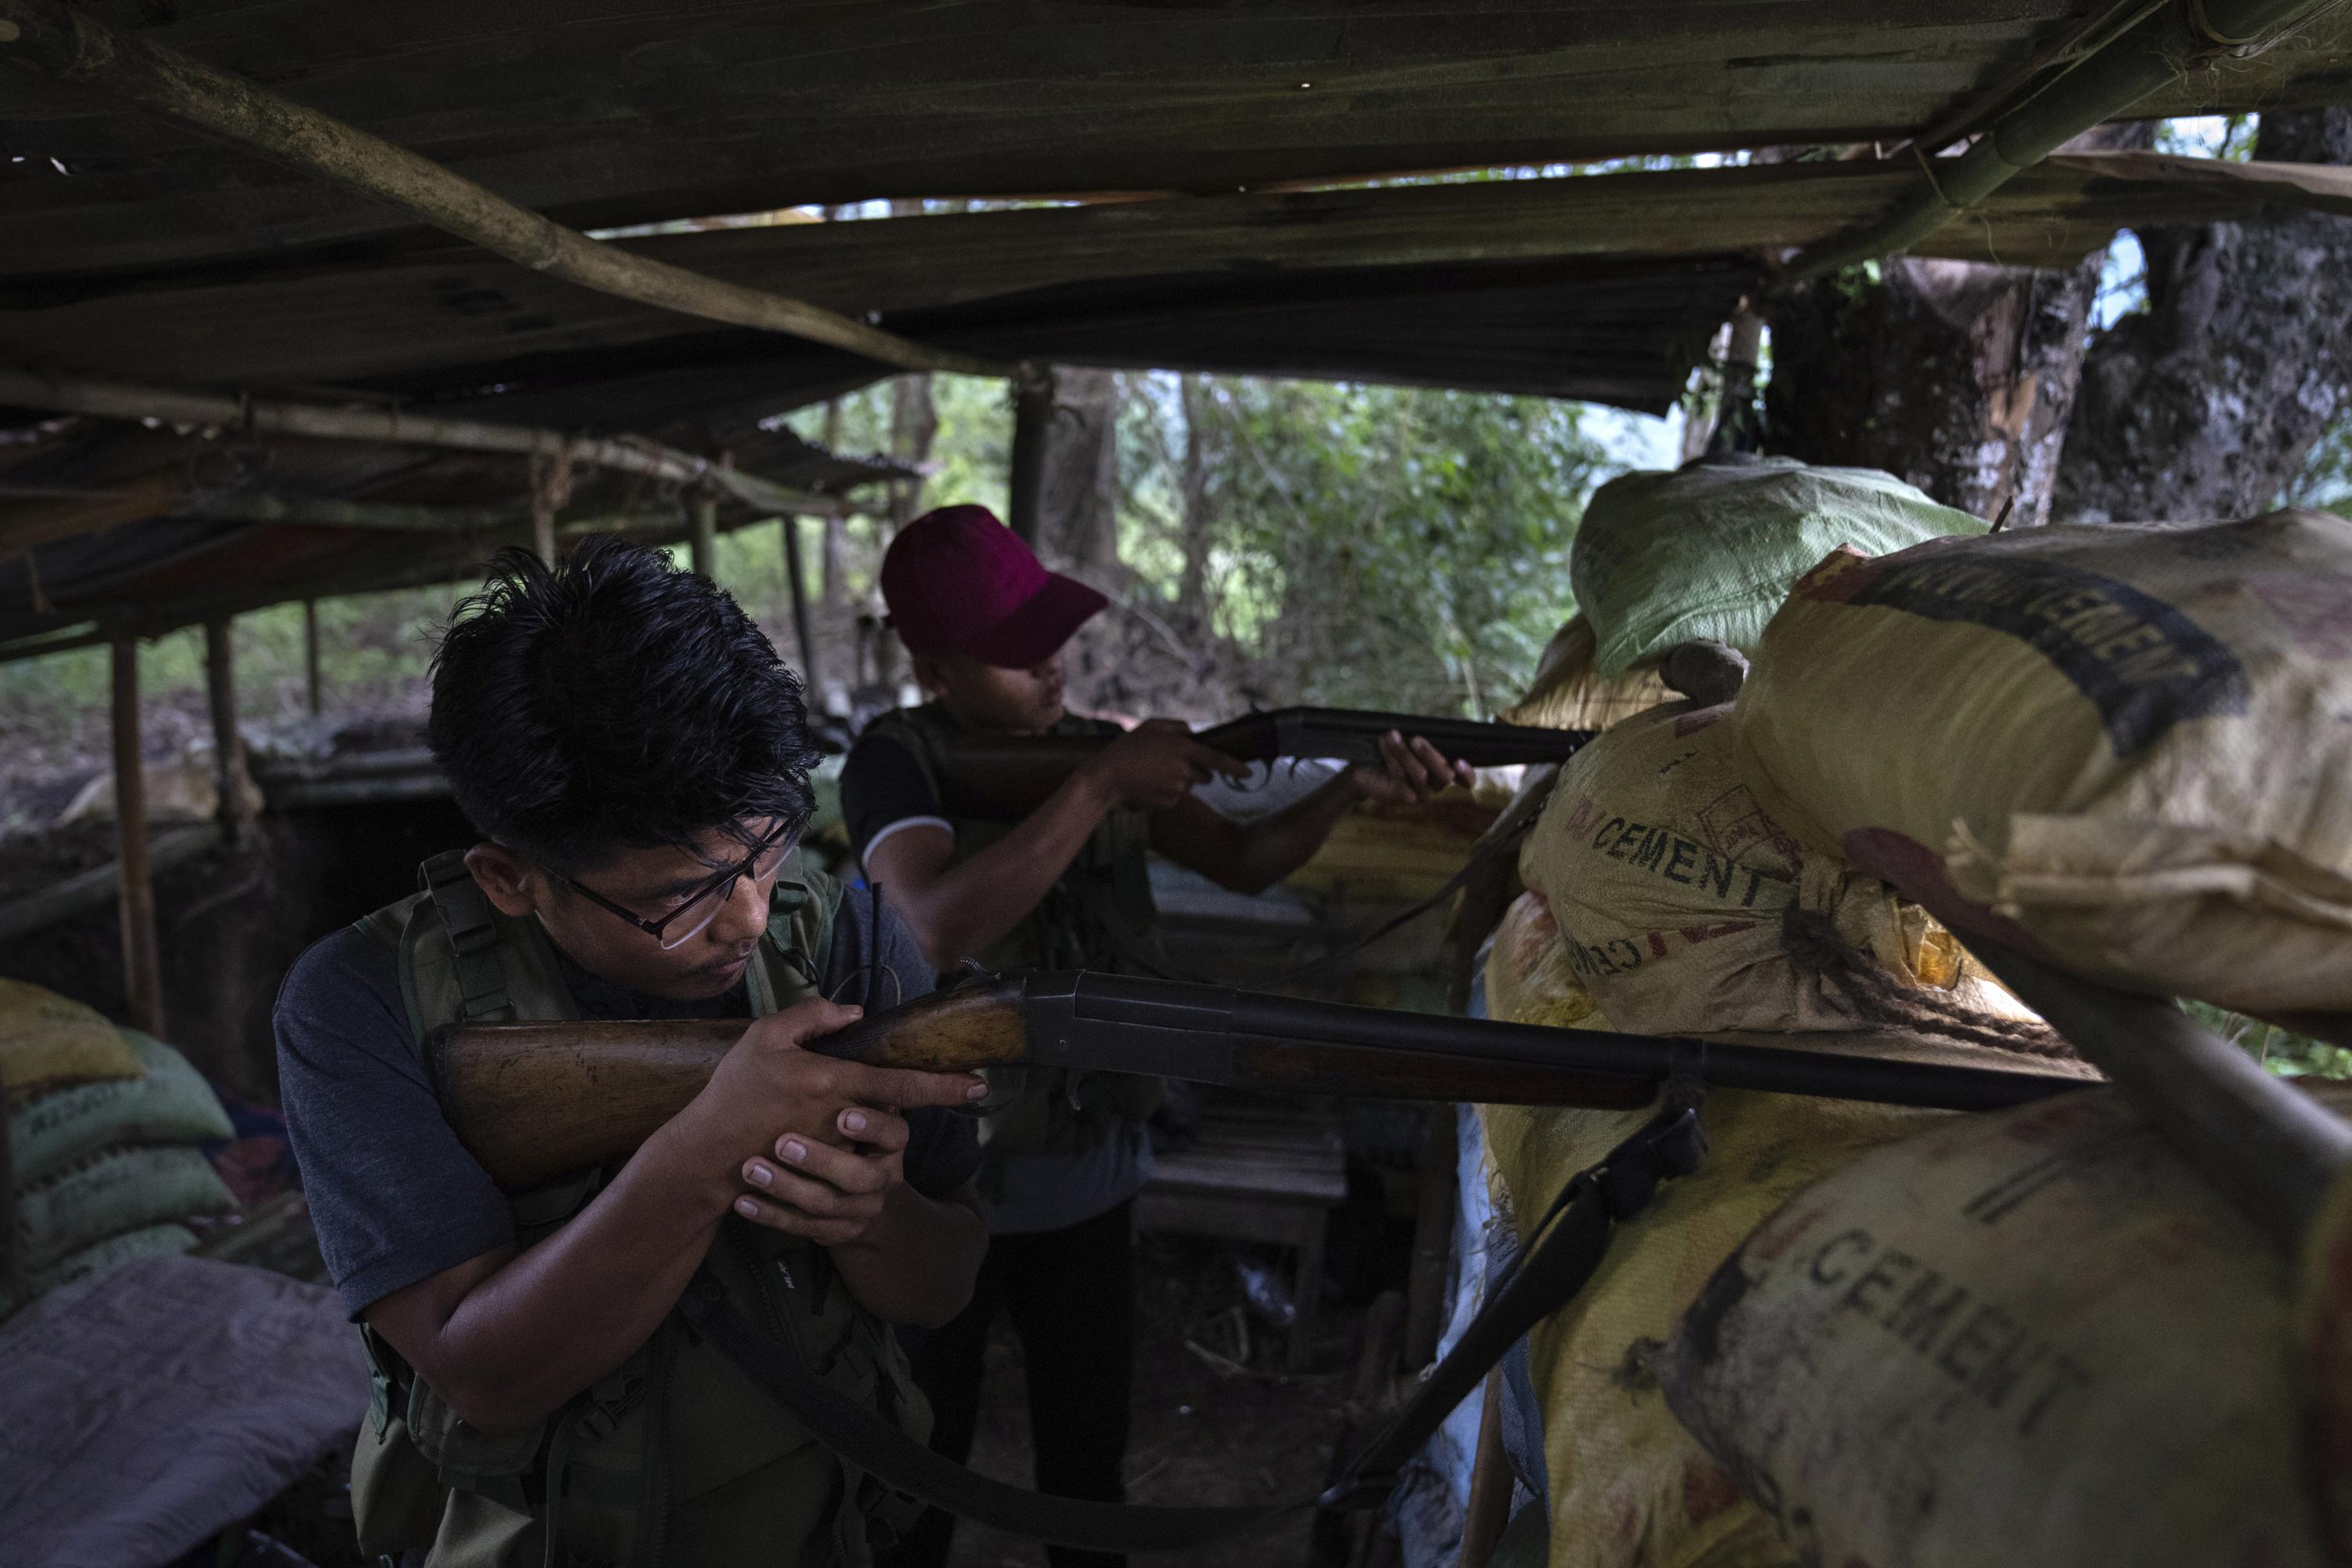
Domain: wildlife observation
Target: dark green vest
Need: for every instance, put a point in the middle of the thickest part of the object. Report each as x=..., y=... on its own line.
x=674, y=1457
x=1096, y=916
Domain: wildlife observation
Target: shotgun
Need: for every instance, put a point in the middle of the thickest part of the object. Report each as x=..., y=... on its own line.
x=1010, y=777
x=534, y=1101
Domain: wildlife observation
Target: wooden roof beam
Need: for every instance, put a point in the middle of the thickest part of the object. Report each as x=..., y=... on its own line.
x=391, y=426
x=62, y=44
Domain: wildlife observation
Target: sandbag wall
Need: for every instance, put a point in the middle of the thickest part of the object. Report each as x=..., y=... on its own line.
x=2034, y=1337
x=103, y=1128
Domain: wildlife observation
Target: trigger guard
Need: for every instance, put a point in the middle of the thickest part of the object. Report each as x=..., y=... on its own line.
x=1006, y=1083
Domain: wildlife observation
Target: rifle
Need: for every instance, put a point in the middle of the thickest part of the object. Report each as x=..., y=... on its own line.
x=1009, y=776
x=534, y=1101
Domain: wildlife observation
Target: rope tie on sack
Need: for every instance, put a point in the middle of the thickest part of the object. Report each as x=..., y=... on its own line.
x=1859, y=984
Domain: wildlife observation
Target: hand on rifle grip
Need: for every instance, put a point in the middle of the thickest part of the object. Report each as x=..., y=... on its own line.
x=1156, y=765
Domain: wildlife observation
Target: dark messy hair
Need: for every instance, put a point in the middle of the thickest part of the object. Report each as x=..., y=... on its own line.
x=614, y=701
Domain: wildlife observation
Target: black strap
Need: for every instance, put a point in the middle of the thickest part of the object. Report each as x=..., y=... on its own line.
x=1567, y=1245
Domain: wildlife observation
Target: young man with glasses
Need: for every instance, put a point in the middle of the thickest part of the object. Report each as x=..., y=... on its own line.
x=1064, y=888
x=635, y=757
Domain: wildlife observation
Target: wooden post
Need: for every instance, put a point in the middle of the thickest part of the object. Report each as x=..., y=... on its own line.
x=1488, y=1512
x=236, y=812
x=1033, y=417
x=702, y=537
x=1432, y=1236
x=795, y=580
x=142, y=967
x=310, y=652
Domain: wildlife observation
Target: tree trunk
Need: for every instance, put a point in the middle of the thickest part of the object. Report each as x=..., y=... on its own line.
x=2207, y=403
x=833, y=559
x=1955, y=376
x=1192, y=478
x=914, y=424
x=1077, y=509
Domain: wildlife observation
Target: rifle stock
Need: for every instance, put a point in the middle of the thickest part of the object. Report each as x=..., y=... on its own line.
x=1009, y=776
x=534, y=1101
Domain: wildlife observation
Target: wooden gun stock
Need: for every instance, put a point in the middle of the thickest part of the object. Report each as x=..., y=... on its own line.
x=1009, y=776
x=533, y=1101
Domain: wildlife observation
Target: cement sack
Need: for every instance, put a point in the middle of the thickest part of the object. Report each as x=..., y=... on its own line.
x=169, y=1103
x=1710, y=551
x=109, y=1193
x=2033, y=1337
x=149, y=1241
x=47, y=1040
x=1683, y=907
x=2126, y=750
x=1629, y=1485
x=1569, y=692
x=1529, y=979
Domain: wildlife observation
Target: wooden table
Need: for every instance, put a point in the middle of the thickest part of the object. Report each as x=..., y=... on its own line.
x=1257, y=1175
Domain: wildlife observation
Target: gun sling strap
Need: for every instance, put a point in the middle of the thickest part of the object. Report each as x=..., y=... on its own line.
x=1565, y=1248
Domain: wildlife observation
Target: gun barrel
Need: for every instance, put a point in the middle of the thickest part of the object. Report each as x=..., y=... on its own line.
x=1010, y=775
x=1501, y=1050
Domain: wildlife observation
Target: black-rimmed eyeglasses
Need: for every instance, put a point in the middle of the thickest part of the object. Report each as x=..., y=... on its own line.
x=696, y=908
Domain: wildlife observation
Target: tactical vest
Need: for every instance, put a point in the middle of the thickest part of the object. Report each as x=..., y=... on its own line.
x=674, y=1457
x=1094, y=917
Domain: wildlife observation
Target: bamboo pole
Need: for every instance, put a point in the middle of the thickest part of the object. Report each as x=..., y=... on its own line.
x=796, y=582
x=236, y=812
x=2274, y=1151
x=310, y=654
x=63, y=44
x=142, y=967
x=106, y=399
x=2150, y=57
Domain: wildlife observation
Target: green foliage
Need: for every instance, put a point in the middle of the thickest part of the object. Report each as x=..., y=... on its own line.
x=2287, y=1053
x=1373, y=546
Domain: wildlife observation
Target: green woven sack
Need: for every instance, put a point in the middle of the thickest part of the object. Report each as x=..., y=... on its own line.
x=169, y=1103
x=106, y=1195
x=1710, y=549
x=105, y=1258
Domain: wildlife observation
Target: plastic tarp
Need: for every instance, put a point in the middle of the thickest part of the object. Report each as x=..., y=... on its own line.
x=151, y=1407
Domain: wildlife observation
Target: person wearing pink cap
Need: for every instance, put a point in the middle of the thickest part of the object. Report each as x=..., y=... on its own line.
x=1063, y=888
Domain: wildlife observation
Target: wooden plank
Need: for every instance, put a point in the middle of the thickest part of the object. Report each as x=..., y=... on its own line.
x=638, y=114
x=67, y=45
x=142, y=966
x=452, y=310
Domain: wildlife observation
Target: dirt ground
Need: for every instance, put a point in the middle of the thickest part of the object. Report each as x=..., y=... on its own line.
x=1203, y=1432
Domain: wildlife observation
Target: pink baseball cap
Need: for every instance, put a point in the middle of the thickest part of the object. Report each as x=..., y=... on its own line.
x=958, y=581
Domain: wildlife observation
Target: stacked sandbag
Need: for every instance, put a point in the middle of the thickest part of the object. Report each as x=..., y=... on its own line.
x=2126, y=750
x=2035, y=1336
x=105, y=1169
x=1663, y=899
x=1708, y=551
x=1569, y=692
x=1684, y=907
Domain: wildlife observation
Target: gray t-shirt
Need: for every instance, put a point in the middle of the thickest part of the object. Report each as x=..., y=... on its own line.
x=395, y=1197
